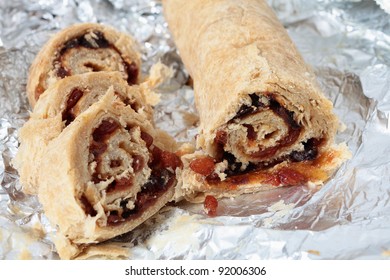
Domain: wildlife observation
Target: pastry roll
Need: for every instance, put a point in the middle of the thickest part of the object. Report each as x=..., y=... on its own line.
x=105, y=174
x=81, y=48
x=264, y=122
x=58, y=107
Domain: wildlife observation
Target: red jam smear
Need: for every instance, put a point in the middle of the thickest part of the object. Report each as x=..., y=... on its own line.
x=164, y=159
x=285, y=142
x=296, y=173
x=286, y=177
x=221, y=139
x=120, y=185
x=62, y=72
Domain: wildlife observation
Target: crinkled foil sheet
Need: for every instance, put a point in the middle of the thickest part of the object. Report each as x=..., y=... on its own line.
x=348, y=45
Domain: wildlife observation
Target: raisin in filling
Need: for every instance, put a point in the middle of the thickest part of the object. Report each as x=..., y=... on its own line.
x=119, y=185
x=99, y=41
x=162, y=178
x=68, y=115
x=100, y=137
x=159, y=182
x=246, y=110
x=310, y=151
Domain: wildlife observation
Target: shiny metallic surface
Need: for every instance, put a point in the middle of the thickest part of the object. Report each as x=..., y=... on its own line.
x=348, y=45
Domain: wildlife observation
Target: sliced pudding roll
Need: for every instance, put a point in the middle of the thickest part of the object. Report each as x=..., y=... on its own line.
x=105, y=174
x=81, y=48
x=59, y=106
x=264, y=122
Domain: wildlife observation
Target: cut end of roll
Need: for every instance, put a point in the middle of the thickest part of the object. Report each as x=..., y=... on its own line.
x=83, y=48
x=268, y=129
x=267, y=143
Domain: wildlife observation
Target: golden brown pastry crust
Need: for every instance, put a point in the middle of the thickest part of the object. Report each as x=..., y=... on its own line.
x=61, y=104
x=255, y=95
x=98, y=177
x=101, y=48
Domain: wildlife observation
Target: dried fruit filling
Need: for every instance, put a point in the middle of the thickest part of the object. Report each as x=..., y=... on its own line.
x=68, y=115
x=99, y=42
x=162, y=163
x=294, y=129
x=259, y=170
x=159, y=182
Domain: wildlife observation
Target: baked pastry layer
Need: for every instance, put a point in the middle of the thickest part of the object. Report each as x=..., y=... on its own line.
x=81, y=48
